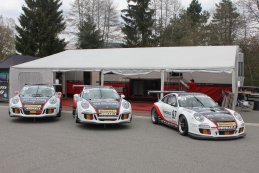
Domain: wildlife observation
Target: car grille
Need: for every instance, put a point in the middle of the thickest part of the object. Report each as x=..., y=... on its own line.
x=226, y=132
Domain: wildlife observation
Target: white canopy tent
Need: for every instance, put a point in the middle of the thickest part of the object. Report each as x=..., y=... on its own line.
x=132, y=61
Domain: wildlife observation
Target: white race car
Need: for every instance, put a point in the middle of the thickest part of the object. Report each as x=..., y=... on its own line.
x=101, y=105
x=36, y=101
x=197, y=115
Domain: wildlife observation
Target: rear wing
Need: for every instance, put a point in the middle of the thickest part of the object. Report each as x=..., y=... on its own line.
x=158, y=93
x=77, y=86
x=92, y=86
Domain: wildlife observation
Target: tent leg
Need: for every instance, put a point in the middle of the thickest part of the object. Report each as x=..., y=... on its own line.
x=234, y=89
x=64, y=92
x=162, y=83
x=102, y=78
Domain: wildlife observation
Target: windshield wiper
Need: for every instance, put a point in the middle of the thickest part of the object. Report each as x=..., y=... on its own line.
x=199, y=101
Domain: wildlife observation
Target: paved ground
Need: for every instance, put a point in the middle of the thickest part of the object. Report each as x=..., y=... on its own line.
x=60, y=145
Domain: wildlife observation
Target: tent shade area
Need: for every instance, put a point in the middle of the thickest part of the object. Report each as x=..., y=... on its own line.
x=221, y=60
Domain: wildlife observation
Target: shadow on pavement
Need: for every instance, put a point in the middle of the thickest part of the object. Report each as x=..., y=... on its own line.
x=102, y=127
x=35, y=120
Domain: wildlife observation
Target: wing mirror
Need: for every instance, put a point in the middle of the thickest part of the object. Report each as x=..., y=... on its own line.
x=59, y=94
x=76, y=97
x=16, y=92
x=173, y=104
x=122, y=96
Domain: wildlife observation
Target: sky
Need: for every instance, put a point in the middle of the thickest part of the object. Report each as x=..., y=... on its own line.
x=13, y=8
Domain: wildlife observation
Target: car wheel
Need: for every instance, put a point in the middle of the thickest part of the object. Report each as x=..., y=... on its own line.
x=74, y=112
x=183, y=126
x=59, y=113
x=154, y=116
x=76, y=118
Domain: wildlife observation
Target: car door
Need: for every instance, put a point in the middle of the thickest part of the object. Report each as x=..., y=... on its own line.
x=170, y=108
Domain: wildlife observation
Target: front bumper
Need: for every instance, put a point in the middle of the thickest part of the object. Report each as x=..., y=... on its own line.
x=22, y=114
x=99, y=120
x=205, y=131
x=217, y=137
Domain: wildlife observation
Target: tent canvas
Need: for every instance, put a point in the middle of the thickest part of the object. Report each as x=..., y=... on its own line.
x=131, y=61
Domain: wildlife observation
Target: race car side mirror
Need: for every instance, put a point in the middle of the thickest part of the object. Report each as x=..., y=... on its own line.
x=76, y=97
x=59, y=94
x=16, y=92
x=173, y=104
x=122, y=96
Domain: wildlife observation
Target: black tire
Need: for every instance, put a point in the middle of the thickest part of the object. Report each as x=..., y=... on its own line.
x=74, y=112
x=76, y=118
x=154, y=116
x=183, y=126
x=59, y=113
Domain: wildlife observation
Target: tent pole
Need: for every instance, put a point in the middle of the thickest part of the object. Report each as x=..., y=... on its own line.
x=162, y=83
x=234, y=88
x=102, y=78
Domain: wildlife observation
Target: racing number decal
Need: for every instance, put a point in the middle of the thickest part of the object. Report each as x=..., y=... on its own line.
x=174, y=114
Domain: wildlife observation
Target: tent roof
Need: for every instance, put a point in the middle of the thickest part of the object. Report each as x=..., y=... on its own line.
x=158, y=58
x=15, y=60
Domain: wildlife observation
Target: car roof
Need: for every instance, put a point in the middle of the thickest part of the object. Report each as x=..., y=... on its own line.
x=46, y=85
x=185, y=93
x=86, y=87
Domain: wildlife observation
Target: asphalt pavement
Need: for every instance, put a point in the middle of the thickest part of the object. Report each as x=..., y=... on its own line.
x=60, y=145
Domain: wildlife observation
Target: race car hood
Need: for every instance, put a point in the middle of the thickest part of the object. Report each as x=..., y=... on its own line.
x=105, y=104
x=217, y=114
x=34, y=100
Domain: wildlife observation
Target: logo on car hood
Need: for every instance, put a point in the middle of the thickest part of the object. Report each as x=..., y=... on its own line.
x=217, y=114
x=34, y=100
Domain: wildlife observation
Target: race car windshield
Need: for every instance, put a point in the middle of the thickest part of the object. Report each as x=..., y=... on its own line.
x=196, y=101
x=37, y=91
x=98, y=93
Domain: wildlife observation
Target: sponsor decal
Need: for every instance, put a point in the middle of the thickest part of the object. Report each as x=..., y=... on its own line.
x=167, y=113
x=32, y=107
x=4, y=91
x=34, y=100
x=224, y=126
x=111, y=112
x=174, y=114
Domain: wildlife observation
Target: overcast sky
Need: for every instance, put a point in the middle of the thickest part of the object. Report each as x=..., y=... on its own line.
x=13, y=8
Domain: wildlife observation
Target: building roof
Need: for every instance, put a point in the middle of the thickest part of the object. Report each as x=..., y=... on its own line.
x=15, y=60
x=210, y=58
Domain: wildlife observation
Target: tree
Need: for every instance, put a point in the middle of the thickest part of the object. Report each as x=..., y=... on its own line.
x=89, y=37
x=164, y=12
x=40, y=26
x=189, y=29
x=194, y=12
x=138, y=24
x=7, y=39
x=104, y=15
x=250, y=48
x=225, y=24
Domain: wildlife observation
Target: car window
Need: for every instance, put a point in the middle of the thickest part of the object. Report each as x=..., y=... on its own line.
x=39, y=91
x=165, y=99
x=172, y=100
x=198, y=100
x=100, y=93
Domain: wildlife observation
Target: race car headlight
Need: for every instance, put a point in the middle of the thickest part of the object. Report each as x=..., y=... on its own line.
x=238, y=116
x=85, y=105
x=15, y=100
x=199, y=117
x=125, y=105
x=53, y=101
